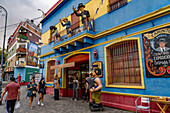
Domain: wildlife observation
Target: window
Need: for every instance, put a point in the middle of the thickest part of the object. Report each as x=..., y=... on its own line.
x=50, y=72
x=115, y=4
x=123, y=63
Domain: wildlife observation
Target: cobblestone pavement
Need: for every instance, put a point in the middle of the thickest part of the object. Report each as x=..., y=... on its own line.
x=64, y=105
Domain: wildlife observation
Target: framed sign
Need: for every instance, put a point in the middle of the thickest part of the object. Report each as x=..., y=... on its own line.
x=157, y=52
x=98, y=65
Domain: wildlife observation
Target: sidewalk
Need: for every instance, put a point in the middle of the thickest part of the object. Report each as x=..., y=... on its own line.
x=64, y=105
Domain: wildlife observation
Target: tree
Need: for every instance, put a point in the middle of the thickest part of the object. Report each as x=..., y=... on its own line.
x=1, y=56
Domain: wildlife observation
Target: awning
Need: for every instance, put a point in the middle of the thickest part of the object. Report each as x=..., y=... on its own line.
x=71, y=64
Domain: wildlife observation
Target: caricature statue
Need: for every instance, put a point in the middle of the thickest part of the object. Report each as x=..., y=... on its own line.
x=84, y=14
x=54, y=33
x=67, y=24
x=95, y=89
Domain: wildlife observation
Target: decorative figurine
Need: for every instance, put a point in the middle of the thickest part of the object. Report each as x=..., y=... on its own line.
x=95, y=89
x=67, y=24
x=84, y=14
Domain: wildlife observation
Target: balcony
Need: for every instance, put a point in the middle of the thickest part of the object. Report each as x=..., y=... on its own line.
x=9, y=69
x=116, y=4
x=21, y=50
x=76, y=28
x=20, y=63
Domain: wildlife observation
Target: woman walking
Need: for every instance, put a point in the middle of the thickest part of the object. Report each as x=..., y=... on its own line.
x=41, y=91
x=32, y=86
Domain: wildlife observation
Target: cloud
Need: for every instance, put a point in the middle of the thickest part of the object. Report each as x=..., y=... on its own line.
x=19, y=10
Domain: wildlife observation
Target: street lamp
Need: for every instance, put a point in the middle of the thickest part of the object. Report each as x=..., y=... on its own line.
x=42, y=12
x=6, y=14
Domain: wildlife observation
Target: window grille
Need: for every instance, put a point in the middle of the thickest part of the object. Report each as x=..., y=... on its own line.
x=123, y=63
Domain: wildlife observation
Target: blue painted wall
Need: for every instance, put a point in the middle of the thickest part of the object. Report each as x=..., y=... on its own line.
x=21, y=71
x=135, y=8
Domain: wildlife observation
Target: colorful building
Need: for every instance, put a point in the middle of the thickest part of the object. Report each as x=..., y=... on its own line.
x=123, y=42
x=22, y=50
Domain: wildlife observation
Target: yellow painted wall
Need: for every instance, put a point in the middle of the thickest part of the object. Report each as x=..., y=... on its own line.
x=91, y=6
x=45, y=37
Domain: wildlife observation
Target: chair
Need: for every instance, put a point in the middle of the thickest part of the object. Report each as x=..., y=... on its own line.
x=144, y=104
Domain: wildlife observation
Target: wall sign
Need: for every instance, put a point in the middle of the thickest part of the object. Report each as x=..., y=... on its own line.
x=98, y=65
x=157, y=52
x=32, y=52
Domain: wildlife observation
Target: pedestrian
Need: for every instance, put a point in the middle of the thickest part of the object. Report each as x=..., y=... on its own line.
x=56, y=88
x=75, y=88
x=32, y=88
x=41, y=91
x=0, y=91
x=87, y=93
x=13, y=90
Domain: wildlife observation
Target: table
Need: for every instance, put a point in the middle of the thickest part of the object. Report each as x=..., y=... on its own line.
x=165, y=106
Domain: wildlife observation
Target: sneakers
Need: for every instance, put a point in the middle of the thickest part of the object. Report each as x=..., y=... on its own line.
x=42, y=104
x=75, y=100
x=39, y=103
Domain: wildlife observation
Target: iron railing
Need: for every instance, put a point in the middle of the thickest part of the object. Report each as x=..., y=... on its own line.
x=123, y=63
x=115, y=4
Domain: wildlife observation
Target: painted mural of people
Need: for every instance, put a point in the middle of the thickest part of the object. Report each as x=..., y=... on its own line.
x=162, y=45
x=84, y=14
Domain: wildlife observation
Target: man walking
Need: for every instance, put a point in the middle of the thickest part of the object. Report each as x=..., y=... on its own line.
x=13, y=90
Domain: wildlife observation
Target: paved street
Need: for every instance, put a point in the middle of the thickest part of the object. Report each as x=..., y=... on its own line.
x=64, y=105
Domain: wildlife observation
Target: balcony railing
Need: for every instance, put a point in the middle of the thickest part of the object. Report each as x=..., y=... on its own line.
x=116, y=4
x=20, y=63
x=73, y=30
x=21, y=50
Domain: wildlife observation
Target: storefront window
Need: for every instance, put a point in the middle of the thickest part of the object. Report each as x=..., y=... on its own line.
x=123, y=63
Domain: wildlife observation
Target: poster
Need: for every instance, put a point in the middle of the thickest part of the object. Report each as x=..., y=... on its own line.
x=98, y=65
x=157, y=52
x=32, y=52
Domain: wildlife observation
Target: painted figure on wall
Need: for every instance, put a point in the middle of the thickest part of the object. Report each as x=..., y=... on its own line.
x=162, y=45
x=32, y=58
x=84, y=14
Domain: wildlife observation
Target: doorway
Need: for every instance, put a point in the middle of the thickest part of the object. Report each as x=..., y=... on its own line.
x=81, y=71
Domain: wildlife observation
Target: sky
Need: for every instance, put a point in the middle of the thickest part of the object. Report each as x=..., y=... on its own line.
x=19, y=10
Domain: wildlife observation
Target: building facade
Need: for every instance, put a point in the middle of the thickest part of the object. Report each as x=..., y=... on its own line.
x=23, y=48
x=121, y=37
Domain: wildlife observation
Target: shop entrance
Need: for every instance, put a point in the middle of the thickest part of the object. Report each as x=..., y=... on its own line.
x=81, y=71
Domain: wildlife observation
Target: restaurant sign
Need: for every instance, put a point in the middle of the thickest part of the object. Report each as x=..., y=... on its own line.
x=157, y=52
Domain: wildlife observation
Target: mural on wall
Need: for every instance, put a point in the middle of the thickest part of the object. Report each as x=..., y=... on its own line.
x=157, y=52
x=98, y=65
x=32, y=52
